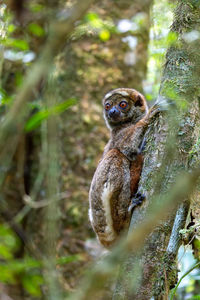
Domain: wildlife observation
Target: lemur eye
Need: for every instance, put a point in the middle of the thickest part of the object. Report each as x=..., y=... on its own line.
x=123, y=104
x=107, y=106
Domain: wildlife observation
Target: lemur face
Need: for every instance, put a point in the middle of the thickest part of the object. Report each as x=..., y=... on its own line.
x=123, y=106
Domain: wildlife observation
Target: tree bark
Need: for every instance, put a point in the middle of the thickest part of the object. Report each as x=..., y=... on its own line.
x=169, y=142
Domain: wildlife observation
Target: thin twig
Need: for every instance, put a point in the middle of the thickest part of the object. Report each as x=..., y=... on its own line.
x=189, y=271
x=45, y=202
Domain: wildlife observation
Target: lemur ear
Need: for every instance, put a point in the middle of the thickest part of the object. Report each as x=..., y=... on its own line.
x=139, y=101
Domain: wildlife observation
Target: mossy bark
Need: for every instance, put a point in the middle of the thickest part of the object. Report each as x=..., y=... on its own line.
x=170, y=140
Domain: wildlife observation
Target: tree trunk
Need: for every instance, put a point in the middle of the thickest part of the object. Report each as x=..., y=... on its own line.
x=170, y=140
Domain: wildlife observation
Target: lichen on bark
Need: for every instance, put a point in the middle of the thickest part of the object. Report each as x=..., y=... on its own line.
x=170, y=140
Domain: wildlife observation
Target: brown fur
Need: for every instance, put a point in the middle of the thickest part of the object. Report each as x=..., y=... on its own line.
x=118, y=173
x=135, y=172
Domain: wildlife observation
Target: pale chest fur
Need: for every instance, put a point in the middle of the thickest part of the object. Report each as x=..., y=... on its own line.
x=110, y=196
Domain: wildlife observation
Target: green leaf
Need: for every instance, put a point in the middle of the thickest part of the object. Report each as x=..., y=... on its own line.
x=14, y=43
x=21, y=265
x=5, y=252
x=4, y=98
x=6, y=275
x=67, y=259
x=11, y=28
x=196, y=297
x=104, y=35
x=171, y=38
x=32, y=284
x=8, y=242
x=59, y=108
x=91, y=16
x=35, y=7
x=31, y=263
x=36, y=29
x=36, y=120
x=18, y=78
x=42, y=115
x=94, y=20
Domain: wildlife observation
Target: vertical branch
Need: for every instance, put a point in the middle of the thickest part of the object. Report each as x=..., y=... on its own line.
x=52, y=210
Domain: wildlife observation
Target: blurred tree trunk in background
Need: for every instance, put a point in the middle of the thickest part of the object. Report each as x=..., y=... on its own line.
x=172, y=146
x=25, y=162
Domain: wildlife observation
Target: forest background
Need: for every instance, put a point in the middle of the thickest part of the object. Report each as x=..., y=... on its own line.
x=56, y=65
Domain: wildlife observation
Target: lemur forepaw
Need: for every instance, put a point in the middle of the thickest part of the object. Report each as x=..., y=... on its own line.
x=137, y=199
x=156, y=108
x=162, y=104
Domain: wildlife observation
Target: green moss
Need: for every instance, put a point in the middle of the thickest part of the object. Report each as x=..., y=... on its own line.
x=195, y=149
x=166, y=269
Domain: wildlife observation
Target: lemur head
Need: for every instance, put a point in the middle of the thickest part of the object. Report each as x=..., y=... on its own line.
x=123, y=106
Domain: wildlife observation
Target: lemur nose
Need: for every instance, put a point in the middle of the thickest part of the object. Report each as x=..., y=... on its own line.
x=114, y=112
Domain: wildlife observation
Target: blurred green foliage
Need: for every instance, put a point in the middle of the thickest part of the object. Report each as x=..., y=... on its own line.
x=8, y=242
x=189, y=277
x=93, y=25
x=16, y=44
x=27, y=270
x=160, y=39
x=36, y=29
x=12, y=270
x=43, y=114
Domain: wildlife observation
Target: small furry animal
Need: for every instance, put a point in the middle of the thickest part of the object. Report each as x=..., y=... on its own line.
x=114, y=185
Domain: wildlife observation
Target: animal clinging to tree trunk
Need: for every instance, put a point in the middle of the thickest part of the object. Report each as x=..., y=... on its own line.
x=113, y=191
